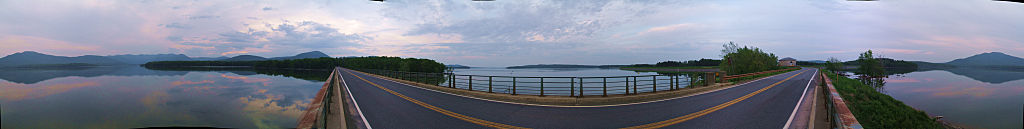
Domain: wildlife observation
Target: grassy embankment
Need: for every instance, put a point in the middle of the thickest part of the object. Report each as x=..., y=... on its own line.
x=875, y=110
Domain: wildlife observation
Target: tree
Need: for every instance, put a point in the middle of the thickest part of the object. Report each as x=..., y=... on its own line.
x=747, y=60
x=729, y=48
x=869, y=65
x=834, y=64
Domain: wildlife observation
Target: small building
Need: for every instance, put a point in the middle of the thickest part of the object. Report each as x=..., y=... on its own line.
x=787, y=62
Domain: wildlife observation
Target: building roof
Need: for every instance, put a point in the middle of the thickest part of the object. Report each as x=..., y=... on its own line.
x=787, y=59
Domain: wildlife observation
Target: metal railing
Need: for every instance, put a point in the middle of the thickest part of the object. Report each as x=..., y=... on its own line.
x=551, y=86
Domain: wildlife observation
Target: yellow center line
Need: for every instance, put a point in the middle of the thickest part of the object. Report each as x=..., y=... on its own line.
x=690, y=116
x=442, y=111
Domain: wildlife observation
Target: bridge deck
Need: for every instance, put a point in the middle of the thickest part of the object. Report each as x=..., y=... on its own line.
x=765, y=103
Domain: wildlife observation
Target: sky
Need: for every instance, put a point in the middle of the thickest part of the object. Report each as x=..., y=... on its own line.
x=515, y=32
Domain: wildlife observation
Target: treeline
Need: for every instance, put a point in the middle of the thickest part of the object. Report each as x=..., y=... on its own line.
x=701, y=62
x=308, y=63
x=372, y=62
x=741, y=60
x=393, y=63
x=886, y=63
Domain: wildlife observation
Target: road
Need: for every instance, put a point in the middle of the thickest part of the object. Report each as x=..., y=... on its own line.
x=764, y=103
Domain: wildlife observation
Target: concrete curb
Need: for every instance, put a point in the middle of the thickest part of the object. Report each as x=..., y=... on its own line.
x=846, y=118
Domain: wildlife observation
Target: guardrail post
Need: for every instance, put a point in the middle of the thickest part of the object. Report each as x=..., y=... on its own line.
x=710, y=79
x=581, y=87
x=677, y=81
x=671, y=83
x=634, y=85
x=572, y=86
x=627, y=85
x=605, y=88
x=541, y=86
x=692, y=83
x=470, y=83
x=513, y=85
x=722, y=76
x=654, y=83
x=489, y=86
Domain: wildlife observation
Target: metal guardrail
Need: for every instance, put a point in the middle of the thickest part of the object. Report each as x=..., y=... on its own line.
x=551, y=86
x=320, y=110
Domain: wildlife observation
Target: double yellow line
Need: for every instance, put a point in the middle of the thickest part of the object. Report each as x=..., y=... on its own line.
x=690, y=116
x=442, y=111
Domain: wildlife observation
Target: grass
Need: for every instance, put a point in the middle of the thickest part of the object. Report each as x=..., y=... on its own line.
x=684, y=67
x=875, y=110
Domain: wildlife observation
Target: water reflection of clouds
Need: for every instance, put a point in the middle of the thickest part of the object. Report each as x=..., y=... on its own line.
x=267, y=112
x=15, y=91
x=950, y=86
x=187, y=82
x=263, y=81
x=901, y=80
x=195, y=99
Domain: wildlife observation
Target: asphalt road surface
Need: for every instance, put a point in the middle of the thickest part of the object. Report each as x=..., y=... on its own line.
x=764, y=103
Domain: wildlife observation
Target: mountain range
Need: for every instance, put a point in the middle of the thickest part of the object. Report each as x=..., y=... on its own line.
x=32, y=58
x=989, y=59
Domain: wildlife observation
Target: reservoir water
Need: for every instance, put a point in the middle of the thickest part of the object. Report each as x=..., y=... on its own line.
x=135, y=97
x=972, y=97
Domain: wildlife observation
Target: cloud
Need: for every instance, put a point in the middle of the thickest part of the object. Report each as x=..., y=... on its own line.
x=612, y=31
x=175, y=25
x=202, y=17
x=549, y=21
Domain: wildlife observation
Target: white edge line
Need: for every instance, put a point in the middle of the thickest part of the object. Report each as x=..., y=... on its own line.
x=542, y=105
x=353, y=97
x=791, y=115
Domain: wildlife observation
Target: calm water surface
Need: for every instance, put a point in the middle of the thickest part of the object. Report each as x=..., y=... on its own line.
x=979, y=98
x=133, y=97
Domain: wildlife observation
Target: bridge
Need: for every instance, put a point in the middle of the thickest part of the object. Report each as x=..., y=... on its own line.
x=354, y=99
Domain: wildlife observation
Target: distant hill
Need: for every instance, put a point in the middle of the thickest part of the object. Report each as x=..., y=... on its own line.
x=142, y=59
x=921, y=65
x=989, y=59
x=209, y=58
x=456, y=66
x=245, y=58
x=817, y=61
x=28, y=58
x=312, y=54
